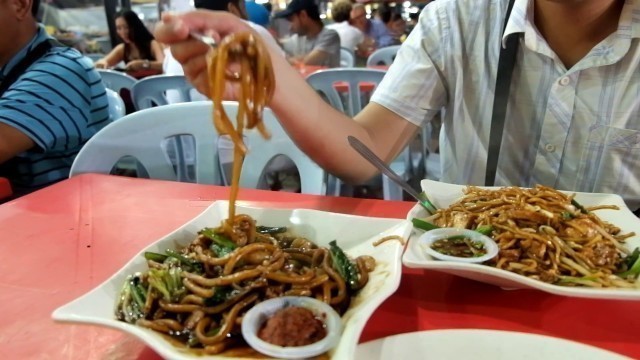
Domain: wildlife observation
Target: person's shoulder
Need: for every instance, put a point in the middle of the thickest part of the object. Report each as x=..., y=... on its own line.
x=327, y=33
x=64, y=66
x=70, y=58
x=462, y=16
x=465, y=8
x=332, y=26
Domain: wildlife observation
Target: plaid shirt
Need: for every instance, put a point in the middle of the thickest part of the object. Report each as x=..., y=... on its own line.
x=574, y=129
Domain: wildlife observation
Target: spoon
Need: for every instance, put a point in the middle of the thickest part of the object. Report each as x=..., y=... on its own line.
x=363, y=150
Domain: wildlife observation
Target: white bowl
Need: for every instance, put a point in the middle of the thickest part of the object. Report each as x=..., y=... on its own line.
x=443, y=194
x=429, y=237
x=255, y=318
x=355, y=235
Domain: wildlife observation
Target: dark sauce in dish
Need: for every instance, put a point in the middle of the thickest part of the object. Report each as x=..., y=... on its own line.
x=460, y=247
x=293, y=326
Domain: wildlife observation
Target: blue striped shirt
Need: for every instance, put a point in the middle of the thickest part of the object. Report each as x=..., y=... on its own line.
x=59, y=102
x=575, y=129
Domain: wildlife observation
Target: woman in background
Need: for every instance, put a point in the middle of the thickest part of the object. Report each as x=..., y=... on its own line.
x=139, y=51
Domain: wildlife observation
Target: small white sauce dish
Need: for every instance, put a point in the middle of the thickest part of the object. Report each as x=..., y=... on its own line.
x=429, y=237
x=255, y=318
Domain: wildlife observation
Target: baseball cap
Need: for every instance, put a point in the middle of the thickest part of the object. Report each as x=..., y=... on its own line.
x=297, y=6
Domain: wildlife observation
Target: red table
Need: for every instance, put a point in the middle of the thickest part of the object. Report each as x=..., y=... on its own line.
x=5, y=188
x=61, y=241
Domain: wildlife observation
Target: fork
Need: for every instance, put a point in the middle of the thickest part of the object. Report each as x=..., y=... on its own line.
x=204, y=38
x=363, y=150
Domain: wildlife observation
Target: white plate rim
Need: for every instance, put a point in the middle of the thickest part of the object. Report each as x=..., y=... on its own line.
x=353, y=325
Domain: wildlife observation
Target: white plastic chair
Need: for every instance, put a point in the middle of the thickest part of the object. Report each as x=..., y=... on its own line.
x=142, y=135
x=261, y=152
x=151, y=90
x=324, y=82
x=383, y=56
x=116, y=80
x=116, y=105
x=94, y=57
x=347, y=58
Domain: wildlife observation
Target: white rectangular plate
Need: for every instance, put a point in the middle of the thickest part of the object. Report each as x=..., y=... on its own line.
x=355, y=234
x=443, y=195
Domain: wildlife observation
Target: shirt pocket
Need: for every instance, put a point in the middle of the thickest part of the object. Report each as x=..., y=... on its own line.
x=611, y=160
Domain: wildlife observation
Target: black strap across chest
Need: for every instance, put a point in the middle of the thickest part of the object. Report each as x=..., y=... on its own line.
x=506, y=63
x=32, y=56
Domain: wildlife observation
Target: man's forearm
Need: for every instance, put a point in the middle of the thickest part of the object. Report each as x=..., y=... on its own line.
x=318, y=129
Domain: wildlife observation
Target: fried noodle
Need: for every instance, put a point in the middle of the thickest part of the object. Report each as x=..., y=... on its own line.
x=543, y=235
x=199, y=294
x=256, y=84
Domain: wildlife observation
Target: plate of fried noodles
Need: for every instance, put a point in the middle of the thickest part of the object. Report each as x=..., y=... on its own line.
x=185, y=294
x=565, y=243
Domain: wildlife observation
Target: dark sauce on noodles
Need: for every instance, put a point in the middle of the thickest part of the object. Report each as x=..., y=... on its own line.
x=241, y=350
x=459, y=247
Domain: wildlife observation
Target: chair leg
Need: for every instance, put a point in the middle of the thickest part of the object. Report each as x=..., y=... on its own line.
x=390, y=190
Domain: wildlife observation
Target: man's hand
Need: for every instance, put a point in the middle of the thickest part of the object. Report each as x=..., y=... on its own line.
x=191, y=53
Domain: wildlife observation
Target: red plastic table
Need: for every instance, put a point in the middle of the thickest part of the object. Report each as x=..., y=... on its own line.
x=5, y=188
x=62, y=241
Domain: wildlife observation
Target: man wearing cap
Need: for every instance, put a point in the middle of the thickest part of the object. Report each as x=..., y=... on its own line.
x=311, y=42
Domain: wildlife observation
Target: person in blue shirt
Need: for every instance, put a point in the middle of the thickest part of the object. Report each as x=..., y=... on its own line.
x=257, y=13
x=52, y=100
x=374, y=29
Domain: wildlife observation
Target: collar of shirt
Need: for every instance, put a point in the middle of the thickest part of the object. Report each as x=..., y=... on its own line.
x=41, y=35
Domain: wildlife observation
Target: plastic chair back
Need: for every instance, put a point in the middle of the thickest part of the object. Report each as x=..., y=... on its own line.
x=347, y=58
x=151, y=91
x=261, y=152
x=116, y=80
x=142, y=135
x=116, y=105
x=383, y=56
x=95, y=57
x=324, y=82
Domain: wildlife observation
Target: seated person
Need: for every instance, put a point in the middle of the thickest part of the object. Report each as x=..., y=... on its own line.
x=311, y=43
x=395, y=24
x=257, y=13
x=350, y=36
x=51, y=101
x=376, y=33
x=140, y=52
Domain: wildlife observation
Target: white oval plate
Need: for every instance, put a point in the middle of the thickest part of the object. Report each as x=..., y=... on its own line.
x=444, y=194
x=355, y=234
x=479, y=344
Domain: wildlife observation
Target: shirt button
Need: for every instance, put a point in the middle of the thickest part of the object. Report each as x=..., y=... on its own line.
x=550, y=148
x=565, y=81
